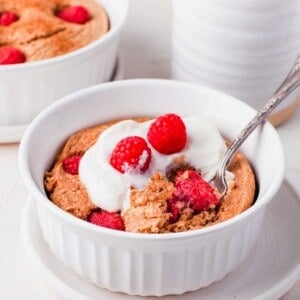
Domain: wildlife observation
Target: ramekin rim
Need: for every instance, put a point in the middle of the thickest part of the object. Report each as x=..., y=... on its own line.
x=101, y=41
x=42, y=198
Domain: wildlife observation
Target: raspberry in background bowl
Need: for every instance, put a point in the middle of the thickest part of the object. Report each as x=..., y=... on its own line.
x=50, y=68
x=143, y=264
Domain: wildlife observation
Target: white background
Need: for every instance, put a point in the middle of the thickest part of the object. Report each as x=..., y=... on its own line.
x=145, y=49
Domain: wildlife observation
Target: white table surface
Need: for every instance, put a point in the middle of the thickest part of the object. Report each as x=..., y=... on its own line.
x=145, y=47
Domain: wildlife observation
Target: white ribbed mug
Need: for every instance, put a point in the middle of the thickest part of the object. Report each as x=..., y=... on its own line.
x=244, y=48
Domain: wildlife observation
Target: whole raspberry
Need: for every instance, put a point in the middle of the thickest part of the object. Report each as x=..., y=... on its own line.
x=10, y=55
x=107, y=219
x=167, y=134
x=131, y=154
x=71, y=164
x=74, y=14
x=8, y=17
x=192, y=188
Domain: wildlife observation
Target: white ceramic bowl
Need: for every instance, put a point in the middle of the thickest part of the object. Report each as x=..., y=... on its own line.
x=26, y=89
x=148, y=264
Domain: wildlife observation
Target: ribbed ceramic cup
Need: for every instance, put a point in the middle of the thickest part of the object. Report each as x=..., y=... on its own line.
x=244, y=48
x=26, y=89
x=148, y=264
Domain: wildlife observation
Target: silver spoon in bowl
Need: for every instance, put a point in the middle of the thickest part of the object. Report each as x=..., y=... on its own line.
x=291, y=82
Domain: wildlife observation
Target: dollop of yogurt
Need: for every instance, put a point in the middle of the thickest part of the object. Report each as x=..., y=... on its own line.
x=110, y=189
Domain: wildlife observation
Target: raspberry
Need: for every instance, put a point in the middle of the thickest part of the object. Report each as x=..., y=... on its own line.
x=71, y=164
x=175, y=207
x=107, y=219
x=131, y=154
x=10, y=55
x=167, y=134
x=192, y=188
x=74, y=14
x=8, y=17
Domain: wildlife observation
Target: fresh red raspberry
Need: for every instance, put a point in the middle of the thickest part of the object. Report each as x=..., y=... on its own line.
x=74, y=14
x=107, y=219
x=192, y=188
x=71, y=164
x=10, y=55
x=167, y=134
x=8, y=17
x=131, y=154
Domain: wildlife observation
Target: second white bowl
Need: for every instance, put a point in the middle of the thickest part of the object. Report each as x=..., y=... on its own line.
x=26, y=89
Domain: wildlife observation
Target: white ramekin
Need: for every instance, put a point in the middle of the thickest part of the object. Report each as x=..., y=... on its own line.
x=26, y=89
x=148, y=264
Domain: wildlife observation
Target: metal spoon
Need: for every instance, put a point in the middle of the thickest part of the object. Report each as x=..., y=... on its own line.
x=291, y=82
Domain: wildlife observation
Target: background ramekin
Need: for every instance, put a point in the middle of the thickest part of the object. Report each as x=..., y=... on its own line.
x=26, y=89
x=148, y=264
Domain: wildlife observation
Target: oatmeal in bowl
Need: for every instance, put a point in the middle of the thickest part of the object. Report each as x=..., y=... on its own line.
x=122, y=176
x=149, y=176
x=42, y=29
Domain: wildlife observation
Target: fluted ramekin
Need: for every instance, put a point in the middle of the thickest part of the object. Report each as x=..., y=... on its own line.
x=26, y=89
x=149, y=264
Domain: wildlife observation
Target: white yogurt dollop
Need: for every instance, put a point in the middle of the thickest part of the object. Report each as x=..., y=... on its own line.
x=109, y=189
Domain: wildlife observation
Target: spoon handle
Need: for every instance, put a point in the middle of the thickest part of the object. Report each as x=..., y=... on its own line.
x=291, y=82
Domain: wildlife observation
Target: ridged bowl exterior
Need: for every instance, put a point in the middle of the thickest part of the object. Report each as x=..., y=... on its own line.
x=154, y=267
x=148, y=264
x=27, y=89
x=243, y=48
